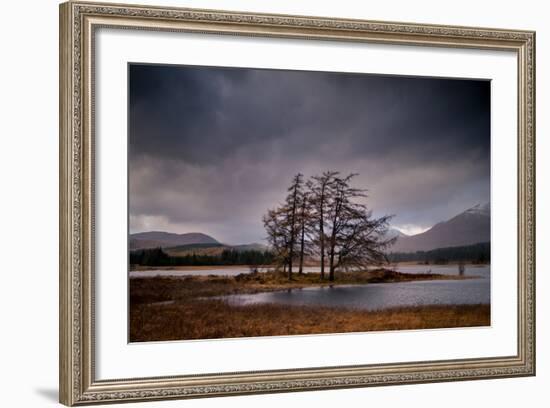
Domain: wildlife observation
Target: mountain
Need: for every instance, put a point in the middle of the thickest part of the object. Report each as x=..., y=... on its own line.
x=184, y=244
x=155, y=239
x=469, y=227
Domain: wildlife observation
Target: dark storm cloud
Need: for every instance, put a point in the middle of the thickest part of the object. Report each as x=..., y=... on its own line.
x=212, y=148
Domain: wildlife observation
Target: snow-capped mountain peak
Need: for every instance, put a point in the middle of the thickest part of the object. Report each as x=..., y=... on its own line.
x=469, y=227
x=480, y=209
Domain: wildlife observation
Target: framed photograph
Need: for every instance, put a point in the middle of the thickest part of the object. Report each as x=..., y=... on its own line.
x=256, y=203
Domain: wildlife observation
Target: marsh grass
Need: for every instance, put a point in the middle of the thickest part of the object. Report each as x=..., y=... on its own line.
x=213, y=319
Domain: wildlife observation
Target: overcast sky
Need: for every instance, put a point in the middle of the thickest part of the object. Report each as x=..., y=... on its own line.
x=211, y=149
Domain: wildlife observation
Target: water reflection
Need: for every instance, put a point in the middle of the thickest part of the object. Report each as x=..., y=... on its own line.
x=378, y=295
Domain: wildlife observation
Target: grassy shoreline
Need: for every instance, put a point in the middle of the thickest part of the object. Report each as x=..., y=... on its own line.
x=208, y=267
x=215, y=319
x=163, y=289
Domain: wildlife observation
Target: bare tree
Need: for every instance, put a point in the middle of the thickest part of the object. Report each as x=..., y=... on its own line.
x=341, y=194
x=278, y=235
x=319, y=187
x=364, y=242
x=304, y=221
x=282, y=225
x=295, y=191
x=329, y=219
x=356, y=239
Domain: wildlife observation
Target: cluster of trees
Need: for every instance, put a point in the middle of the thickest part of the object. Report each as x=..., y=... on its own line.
x=157, y=257
x=477, y=253
x=325, y=217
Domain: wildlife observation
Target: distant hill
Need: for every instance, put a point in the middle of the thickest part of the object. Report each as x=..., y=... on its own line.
x=467, y=228
x=186, y=244
x=156, y=239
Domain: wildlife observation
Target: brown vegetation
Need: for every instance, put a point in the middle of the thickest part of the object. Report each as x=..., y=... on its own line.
x=210, y=319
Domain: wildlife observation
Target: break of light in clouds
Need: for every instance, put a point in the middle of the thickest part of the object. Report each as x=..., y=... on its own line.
x=412, y=229
x=211, y=149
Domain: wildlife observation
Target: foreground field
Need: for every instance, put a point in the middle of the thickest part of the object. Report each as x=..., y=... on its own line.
x=179, y=308
x=212, y=319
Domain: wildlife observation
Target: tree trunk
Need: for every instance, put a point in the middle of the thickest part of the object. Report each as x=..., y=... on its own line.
x=302, y=239
x=332, y=248
x=292, y=231
x=337, y=207
x=322, y=232
x=331, y=268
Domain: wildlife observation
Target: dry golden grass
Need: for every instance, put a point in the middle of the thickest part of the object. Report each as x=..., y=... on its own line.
x=212, y=319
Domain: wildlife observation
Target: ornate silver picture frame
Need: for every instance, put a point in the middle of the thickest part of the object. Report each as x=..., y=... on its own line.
x=79, y=22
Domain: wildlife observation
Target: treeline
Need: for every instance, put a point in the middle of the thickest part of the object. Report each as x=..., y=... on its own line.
x=326, y=218
x=477, y=253
x=157, y=257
